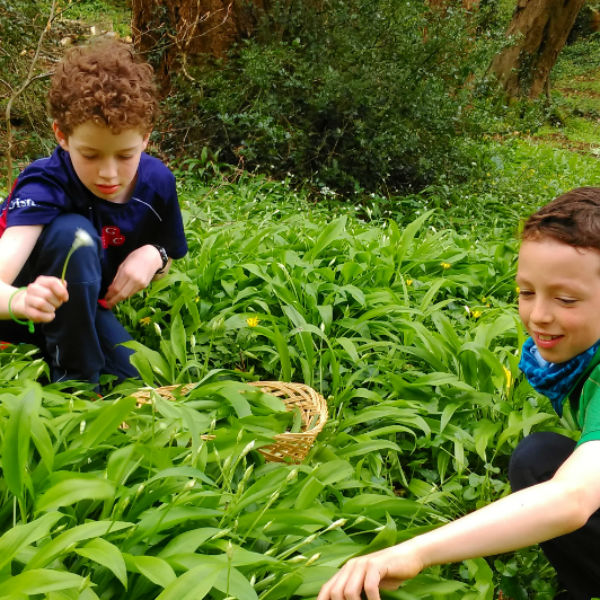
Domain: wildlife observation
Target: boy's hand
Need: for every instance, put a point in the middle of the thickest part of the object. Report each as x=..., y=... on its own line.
x=40, y=299
x=385, y=569
x=134, y=274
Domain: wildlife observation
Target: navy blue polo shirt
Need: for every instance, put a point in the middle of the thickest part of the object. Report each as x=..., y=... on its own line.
x=50, y=186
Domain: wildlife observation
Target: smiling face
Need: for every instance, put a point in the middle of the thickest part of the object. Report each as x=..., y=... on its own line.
x=559, y=297
x=105, y=162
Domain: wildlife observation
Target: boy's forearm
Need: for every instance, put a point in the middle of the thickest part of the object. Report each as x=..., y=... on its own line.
x=527, y=517
x=6, y=291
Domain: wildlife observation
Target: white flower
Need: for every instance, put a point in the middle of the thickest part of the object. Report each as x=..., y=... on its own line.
x=82, y=238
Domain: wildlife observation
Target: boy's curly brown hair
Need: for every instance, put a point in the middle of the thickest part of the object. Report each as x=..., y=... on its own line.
x=103, y=82
x=572, y=218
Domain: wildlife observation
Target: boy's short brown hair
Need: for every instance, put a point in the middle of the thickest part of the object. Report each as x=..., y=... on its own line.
x=105, y=83
x=572, y=218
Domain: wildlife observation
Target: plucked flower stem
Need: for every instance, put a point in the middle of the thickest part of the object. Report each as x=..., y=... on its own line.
x=82, y=238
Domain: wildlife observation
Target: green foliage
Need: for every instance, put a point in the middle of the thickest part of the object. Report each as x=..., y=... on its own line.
x=399, y=310
x=357, y=94
x=409, y=332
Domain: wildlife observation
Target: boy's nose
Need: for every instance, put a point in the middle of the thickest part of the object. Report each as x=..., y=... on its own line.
x=540, y=312
x=107, y=169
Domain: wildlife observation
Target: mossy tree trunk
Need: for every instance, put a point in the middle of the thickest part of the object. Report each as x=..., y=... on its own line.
x=539, y=30
x=177, y=33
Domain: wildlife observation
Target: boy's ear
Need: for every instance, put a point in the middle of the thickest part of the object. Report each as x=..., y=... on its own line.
x=61, y=138
x=145, y=142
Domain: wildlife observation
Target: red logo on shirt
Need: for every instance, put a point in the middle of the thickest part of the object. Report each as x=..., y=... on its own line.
x=112, y=236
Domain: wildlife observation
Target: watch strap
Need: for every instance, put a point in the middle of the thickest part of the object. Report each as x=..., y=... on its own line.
x=164, y=257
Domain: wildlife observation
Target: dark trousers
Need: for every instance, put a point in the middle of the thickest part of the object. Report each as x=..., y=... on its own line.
x=575, y=556
x=82, y=342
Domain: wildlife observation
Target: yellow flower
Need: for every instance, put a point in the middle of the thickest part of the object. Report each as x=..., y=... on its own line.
x=445, y=265
x=252, y=321
x=409, y=282
x=508, y=376
x=518, y=290
x=146, y=321
x=476, y=314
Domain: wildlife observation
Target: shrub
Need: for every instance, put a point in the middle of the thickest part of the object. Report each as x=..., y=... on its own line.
x=360, y=93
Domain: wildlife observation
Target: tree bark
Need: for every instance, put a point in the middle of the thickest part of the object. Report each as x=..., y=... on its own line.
x=177, y=33
x=540, y=29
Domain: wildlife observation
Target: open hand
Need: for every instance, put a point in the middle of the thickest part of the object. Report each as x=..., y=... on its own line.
x=134, y=274
x=385, y=569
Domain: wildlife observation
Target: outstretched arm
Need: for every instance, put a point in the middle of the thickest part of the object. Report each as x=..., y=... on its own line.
x=535, y=514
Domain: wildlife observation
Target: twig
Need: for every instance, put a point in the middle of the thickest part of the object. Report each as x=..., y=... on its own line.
x=17, y=92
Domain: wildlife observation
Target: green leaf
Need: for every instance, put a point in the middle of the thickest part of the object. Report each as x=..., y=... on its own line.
x=330, y=234
x=385, y=537
x=408, y=235
x=178, y=339
x=106, y=422
x=155, y=569
x=192, y=585
x=375, y=506
x=15, y=448
x=42, y=441
x=20, y=536
x=107, y=555
x=67, y=540
x=483, y=434
x=284, y=588
x=73, y=490
x=39, y=581
x=427, y=586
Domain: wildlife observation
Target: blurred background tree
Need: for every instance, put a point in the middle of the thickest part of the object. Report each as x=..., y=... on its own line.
x=537, y=33
x=182, y=31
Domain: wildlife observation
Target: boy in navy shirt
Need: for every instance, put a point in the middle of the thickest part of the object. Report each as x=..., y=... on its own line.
x=99, y=180
x=555, y=480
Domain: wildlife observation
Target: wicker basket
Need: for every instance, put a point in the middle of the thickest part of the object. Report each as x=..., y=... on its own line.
x=288, y=446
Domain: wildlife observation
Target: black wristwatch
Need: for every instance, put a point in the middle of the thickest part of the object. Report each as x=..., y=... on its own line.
x=163, y=256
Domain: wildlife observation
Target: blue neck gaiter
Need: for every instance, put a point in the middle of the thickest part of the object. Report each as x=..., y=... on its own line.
x=554, y=380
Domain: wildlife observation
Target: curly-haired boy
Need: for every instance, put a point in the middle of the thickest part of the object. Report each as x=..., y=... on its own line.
x=103, y=104
x=555, y=480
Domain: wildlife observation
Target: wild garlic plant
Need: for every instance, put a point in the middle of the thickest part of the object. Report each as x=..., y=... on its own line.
x=82, y=238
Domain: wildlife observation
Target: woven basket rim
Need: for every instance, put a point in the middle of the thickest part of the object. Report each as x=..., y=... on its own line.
x=288, y=445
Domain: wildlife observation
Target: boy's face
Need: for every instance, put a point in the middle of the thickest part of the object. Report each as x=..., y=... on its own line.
x=105, y=162
x=559, y=297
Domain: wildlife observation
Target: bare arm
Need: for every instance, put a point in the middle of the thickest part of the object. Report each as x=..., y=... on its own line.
x=16, y=245
x=42, y=297
x=529, y=516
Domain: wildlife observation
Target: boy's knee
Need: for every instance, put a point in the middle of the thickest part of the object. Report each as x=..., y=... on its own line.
x=537, y=458
x=53, y=247
x=59, y=234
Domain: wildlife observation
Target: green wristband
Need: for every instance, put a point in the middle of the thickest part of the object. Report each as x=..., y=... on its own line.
x=29, y=322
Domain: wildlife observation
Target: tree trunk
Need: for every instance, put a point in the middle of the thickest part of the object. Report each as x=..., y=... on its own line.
x=540, y=29
x=177, y=33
